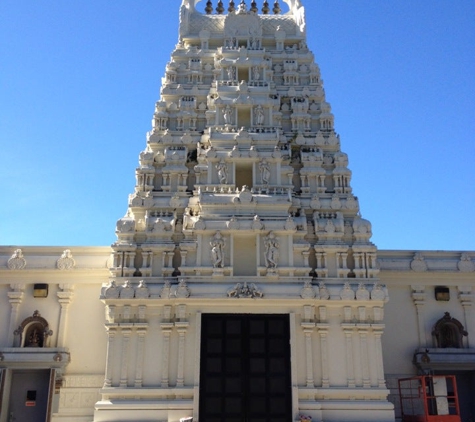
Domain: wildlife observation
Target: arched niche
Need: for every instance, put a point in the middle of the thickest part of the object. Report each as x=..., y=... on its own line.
x=33, y=332
x=448, y=332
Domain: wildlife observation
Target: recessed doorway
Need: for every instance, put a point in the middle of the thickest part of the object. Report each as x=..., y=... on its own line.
x=245, y=368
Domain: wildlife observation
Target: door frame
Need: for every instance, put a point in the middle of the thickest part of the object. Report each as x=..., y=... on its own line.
x=293, y=354
x=7, y=375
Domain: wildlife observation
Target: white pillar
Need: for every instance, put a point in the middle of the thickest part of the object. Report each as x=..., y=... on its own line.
x=141, y=332
x=125, y=357
x=323, y=333
x=166, y=327
x=64, y=299
x=111, y=332
x=350, y=365
x=15, y=298
x=419, y=296
x=378, y=332
x=363, y=333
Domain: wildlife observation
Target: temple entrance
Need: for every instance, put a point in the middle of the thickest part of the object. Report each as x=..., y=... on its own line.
x=29, y=396
x=245, y=368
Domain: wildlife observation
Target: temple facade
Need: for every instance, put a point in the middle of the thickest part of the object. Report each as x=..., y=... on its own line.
x=243, y=285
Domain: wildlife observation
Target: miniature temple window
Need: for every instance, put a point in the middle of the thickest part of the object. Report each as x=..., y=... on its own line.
x=33, y=332
x=449, y=332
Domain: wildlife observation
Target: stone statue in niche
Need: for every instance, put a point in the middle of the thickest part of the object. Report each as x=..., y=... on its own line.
x=228, y=115
x=259, y=115
x=265, y=172
x=222, y=169
x=217, y=250
x=271, y=255
x=231, y=73
x=256, y=74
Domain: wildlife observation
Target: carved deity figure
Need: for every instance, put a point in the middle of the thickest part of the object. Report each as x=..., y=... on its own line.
x=271, y=245
x=231, y=72
x=217, y=250
x=222, y=169
x=228, y=115
x=265, y=172
x=259, y=115
x=256, y=74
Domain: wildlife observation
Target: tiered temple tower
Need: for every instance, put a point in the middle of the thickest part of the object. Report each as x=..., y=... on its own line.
x=244, y=285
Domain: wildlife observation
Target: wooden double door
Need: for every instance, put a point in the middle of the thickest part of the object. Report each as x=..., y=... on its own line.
x=245, y=368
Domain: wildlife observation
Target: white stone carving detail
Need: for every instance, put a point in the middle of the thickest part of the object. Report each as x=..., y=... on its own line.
x=241, y=290
x=418, y=264
x=17, y=261
x=466, y=265
x=66, y=261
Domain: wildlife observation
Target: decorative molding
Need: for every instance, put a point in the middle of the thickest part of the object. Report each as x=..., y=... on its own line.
x=17, y=261
x=66, y=261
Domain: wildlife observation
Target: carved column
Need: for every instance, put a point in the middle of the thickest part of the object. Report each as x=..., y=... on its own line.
x=466, y=299
x=166, y=327
x=348, y=329
x=363, y=333
x=322, y=328
x=125, y=356
x=181, y=326
x=141, y=332
x=419, y=297
x=378, y=332
x=64, y=299
x=308, y=327
x=111, y=332
x=15, y=298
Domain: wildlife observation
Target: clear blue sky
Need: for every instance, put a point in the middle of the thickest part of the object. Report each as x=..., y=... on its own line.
x=79, y=79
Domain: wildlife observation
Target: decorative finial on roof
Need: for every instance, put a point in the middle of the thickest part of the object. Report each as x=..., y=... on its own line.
x=265, y=8
x=276, y=8
x=231, y=7
x=220, y=8
x=254, y=7
x=209, y=7
x=242, y=7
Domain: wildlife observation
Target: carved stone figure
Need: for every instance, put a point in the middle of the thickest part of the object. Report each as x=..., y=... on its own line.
x=222, y=169
x=228, y=115
x=265, y=172
x=217, y=250
x=259, y=115
x=271, y=255
x=245, y=291
x=256, y=74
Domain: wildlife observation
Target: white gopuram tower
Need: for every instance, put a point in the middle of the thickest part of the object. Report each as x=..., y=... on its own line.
x=244, y=286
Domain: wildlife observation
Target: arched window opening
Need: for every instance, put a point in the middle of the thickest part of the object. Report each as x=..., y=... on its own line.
x=448, y=332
